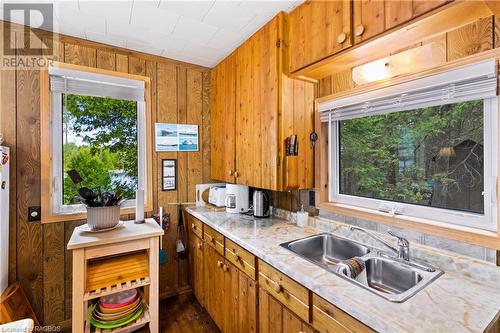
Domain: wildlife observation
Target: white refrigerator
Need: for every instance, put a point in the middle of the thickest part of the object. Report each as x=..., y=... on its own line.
x=4, y=217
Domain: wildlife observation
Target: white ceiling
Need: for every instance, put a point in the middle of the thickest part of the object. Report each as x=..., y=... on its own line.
x=199, y=32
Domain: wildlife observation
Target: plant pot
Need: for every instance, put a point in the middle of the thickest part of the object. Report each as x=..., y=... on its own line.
x=103, y=217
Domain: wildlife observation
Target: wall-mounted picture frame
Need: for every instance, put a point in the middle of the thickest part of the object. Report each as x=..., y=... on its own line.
x=169, y=175
x=176, y=137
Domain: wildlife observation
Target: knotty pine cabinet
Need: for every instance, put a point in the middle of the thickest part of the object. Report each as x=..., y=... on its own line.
x=320, y=29
x=255, y=106
x=196, y=262
x=274, y=317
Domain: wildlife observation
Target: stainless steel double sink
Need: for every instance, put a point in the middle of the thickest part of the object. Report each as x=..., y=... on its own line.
x=389, y=277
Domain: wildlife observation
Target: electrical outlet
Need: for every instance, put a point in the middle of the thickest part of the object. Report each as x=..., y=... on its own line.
x=34, y=214
x=312, y=198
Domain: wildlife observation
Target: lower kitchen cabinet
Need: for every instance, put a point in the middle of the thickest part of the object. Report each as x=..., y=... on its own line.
x=274, y=317
x=241, y=301
x=196, y=277
x=214, y=284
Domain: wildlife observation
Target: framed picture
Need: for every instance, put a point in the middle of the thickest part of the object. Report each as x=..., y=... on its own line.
x=176, y=137
x=169, y=175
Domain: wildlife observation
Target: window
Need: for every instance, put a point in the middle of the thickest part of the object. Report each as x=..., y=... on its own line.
x=426, y=148
x=98, y=129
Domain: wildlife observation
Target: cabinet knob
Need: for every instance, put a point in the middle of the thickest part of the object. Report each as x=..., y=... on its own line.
x=341, y=37
x=277, y=287
x=359, y=30
x=199, y=246
x=225, y=268
x=236, y=174
x=193, y=226
x=236, y=255
x=231, y=172
x=219, y=263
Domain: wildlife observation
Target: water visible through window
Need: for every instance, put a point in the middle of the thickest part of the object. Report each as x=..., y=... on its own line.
x=100, y=142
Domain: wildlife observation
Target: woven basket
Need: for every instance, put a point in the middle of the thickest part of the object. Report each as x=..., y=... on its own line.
x=103, y=217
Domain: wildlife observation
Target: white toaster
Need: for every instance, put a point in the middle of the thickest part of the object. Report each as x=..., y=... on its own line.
x=217, y=196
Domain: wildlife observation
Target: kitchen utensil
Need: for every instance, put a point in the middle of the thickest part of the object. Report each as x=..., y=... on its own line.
x=260, y=203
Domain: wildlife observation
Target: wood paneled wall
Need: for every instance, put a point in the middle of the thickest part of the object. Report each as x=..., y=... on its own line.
x=38, y=257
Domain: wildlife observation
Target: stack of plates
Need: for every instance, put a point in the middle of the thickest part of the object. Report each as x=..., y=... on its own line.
x=116, y=310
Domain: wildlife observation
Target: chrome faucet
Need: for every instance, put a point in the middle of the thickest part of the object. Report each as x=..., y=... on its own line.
x=403, y=250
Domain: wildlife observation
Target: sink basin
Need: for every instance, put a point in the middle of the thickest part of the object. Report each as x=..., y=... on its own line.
x=393, y=279
x=326, y=249
x=390, y=277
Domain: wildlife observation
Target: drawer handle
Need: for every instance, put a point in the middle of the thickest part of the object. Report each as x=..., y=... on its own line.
x=193, y=226
x=236, y=255
x=225, y=268
x=219, y=263
x=199, y=246
x=341, y=37
x=277, y=287
x=359, y=30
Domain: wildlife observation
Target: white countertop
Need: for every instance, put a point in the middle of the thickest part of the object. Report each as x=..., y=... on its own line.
x=128, y=231
x=452, y=303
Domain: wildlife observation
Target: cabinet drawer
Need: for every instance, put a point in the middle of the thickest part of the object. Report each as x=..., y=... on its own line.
x=214, y=239
x=291, y=294
x=327, y=318
x=241, y=258
x=196, y=226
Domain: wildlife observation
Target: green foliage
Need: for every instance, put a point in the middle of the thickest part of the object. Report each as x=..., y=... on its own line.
x=108, y=131
x=372, y=149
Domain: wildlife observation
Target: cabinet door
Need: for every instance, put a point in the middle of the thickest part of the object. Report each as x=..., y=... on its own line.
x=423, y=6
x=368, y=19
x=257, y=89
x=223, y=113
x=214, y=283
x=397, y=12
x=318, y=29
x=274, y=317
x=240, y=301
x=198, y=274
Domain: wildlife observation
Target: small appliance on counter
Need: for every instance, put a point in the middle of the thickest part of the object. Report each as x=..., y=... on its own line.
x=203, y=193
x=236, y=198
x=217, y=195
x=261, y=203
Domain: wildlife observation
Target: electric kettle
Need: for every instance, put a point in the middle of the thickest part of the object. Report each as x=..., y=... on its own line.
x=261, y=204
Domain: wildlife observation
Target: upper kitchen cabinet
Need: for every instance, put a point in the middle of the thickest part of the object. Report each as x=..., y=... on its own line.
x=318, y=29
x=269, y=108
x=368, y=19
x=223, y=117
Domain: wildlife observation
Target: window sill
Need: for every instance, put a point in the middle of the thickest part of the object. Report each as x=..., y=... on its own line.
x=69, y=217
x=489, y=239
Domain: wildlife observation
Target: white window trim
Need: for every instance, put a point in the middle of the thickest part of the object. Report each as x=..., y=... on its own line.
x=57, y=159
x=488, y=221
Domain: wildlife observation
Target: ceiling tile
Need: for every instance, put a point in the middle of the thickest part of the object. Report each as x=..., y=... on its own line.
x=229, y=15
x=193, y=30
x=143, y=15
x=193, y=9
x=117, y=10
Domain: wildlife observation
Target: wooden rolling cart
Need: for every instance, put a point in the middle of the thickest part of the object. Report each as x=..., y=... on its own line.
x=114, y=261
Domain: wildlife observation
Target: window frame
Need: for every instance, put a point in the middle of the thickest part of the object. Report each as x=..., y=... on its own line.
x=486, y=221
x=51, y=155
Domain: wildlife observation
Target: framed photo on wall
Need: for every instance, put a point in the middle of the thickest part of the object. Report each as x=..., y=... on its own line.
x=169, y=175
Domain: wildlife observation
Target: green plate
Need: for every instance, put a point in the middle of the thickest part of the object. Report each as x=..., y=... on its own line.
x=115, y=324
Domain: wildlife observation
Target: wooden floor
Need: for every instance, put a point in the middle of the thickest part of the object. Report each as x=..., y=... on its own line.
x=183, y=314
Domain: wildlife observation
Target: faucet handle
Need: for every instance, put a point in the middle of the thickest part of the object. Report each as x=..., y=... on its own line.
x=401, y=239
